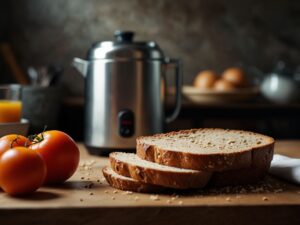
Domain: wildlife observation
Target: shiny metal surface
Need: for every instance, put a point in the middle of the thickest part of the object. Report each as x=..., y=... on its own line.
x=177, y=65
x=134, y=85
x=81, y=65
x=128, y=50
x=124, y=48
x=125, y=75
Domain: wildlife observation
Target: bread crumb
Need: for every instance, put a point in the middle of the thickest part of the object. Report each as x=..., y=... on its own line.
x=278, y=190
x=228, y=199
x=238, y=196
x=86, y=168
x=265, y=198
x=169, y=201
x=113, y=198
x=174, y=197
x=180, y=202
x=128, y=193
x=90, y=162
x=136, y=198
x=154, y=197
x=115, y=192
x=106, y=191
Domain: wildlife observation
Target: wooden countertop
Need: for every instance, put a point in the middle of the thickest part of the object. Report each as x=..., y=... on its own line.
x=87, y=199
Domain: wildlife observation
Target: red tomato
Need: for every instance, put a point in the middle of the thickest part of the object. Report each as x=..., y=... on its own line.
x=12, y=140
x=22, y=171
x=60, y=153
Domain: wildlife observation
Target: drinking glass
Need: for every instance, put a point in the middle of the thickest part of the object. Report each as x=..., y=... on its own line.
x=10, y=103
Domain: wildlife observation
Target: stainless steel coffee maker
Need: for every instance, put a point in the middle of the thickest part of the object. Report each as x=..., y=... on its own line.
x=125, y=89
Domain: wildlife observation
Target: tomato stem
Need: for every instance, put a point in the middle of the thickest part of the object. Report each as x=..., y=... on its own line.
x=35, y=138
x=14, y=141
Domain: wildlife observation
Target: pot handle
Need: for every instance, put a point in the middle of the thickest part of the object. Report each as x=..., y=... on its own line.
x=81, y=65
x=177, y=64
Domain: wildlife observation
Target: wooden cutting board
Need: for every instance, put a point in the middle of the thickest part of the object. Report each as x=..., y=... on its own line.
x=87, y=199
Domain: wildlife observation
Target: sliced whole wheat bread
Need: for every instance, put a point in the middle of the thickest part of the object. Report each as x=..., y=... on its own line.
x=261, y=161
x=128, y=184
x=130, y=165
x=208, y=150
x=237, y=177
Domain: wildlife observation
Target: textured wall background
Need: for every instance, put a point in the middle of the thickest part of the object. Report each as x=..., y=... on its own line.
x=204, y=33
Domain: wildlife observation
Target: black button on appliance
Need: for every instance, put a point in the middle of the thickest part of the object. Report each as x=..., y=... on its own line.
x=126, y=123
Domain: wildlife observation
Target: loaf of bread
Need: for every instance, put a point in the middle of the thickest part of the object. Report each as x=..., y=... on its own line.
x=194, y=159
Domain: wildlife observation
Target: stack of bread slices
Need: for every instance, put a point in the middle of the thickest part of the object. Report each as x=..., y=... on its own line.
x=191, y=159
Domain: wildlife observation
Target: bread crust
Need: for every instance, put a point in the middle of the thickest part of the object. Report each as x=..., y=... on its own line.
x=178, y=180
x=130, y=185
x=261, y=161
x=206, y=162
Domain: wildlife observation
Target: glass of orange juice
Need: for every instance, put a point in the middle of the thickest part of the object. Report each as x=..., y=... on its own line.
x=10, y=103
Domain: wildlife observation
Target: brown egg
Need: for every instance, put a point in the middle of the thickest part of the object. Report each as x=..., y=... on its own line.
x=223, y=85
x=235, y=75
x=205, y=79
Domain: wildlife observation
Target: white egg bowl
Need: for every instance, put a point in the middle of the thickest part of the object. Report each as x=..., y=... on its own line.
x=14, y=128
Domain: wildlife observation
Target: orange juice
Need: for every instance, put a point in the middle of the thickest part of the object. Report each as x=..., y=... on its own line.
x=10, y=111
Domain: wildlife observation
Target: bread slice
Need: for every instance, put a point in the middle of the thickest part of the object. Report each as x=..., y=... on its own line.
x=128, y=184
x=207, y=149
x=237, y=177
x=130, y=165
x=261, y=161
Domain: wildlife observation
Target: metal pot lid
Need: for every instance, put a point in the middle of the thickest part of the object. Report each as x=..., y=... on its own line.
x=125, y=48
